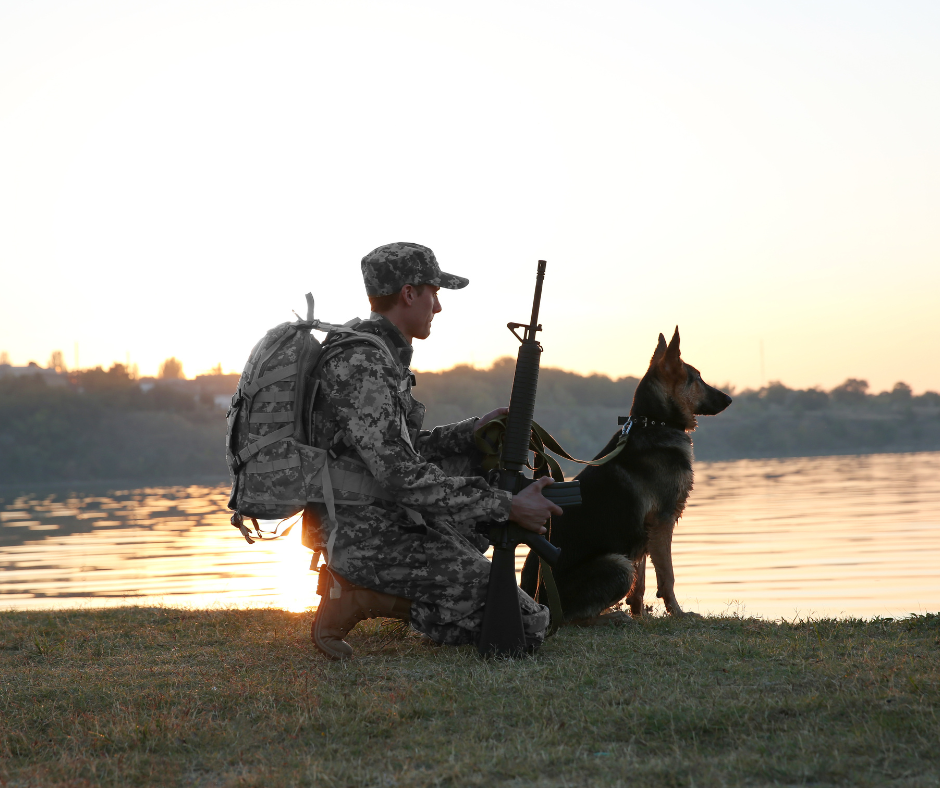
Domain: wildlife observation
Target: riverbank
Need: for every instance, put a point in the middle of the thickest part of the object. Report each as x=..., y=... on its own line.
x=140, y=696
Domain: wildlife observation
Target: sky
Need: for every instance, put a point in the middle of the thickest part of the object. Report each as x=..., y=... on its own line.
x=174, y=176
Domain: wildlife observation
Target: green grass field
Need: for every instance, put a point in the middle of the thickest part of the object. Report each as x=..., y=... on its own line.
x=160, y=696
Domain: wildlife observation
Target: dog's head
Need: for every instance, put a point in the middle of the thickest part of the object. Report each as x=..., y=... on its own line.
x=674, y=391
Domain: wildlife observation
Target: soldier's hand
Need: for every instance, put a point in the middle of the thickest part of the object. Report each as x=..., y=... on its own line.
x=531, y=509
x=493, y=414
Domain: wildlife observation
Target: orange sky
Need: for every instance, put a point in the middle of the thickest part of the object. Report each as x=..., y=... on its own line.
x=174, y=177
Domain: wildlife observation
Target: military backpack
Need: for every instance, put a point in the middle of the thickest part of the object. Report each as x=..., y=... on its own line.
x=275, y=471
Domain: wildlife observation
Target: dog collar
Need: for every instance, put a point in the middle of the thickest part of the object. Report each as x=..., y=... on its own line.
x=629, y=422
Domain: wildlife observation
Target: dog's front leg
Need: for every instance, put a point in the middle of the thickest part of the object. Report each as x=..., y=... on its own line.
x=660, y=551
x=635, y=597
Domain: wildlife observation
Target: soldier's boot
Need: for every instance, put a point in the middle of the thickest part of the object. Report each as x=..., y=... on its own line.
x=345, y=605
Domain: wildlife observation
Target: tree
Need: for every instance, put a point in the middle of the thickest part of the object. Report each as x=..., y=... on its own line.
x=810, y=399
x=852, y=391
x=4, y=357
x=56, y=361
x=217, y=369
x=901, y=392
x=775, y=393
x=115, y=379
x=171, y=369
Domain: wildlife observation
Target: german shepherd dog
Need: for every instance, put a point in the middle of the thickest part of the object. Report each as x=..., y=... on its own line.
x=631, y=504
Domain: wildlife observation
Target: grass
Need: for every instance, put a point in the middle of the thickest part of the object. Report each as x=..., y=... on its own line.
x=141, y=696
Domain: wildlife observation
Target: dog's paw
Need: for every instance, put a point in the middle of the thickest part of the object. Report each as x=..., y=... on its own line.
x=674, y=609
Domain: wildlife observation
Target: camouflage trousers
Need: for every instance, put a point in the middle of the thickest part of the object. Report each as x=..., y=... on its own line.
x=438, y=567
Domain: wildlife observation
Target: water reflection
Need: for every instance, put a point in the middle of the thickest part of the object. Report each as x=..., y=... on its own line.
x=164, y=545
x=830, y=536
x=809, y=536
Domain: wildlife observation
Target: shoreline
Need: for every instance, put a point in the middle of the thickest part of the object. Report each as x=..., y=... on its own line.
x=234, y=607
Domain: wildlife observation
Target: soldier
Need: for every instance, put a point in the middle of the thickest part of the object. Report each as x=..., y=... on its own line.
x=414, y=552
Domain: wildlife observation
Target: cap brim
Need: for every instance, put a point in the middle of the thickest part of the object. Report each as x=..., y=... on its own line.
x=450, y=281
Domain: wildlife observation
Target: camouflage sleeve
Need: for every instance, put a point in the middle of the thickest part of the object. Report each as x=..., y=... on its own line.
x=361, y=387
x=447, y=441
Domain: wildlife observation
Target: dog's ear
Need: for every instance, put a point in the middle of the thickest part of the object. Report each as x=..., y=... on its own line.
x=673, y=348
x=660, y=350
x=671, y=359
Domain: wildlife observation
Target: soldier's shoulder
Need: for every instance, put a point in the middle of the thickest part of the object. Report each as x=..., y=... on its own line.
x=358, y=354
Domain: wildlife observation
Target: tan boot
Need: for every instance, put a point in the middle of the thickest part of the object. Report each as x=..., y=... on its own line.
x=345, y=605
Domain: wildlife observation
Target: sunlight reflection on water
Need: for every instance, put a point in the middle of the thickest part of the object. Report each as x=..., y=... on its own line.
x=821, y=536
x=159, y=545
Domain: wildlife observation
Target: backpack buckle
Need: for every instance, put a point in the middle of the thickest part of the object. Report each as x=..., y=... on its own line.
x=239, y=522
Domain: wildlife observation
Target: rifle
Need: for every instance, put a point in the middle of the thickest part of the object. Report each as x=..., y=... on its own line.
x=502, y=633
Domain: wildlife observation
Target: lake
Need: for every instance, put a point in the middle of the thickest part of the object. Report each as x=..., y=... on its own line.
x=786, y=538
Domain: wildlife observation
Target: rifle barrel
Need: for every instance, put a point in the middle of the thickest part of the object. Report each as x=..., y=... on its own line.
x=537, y=301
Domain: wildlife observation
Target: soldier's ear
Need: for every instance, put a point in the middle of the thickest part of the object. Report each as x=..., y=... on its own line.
x=660, y=350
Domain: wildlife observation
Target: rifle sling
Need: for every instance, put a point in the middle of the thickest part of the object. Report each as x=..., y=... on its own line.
x=490, y=442
x=547, y=580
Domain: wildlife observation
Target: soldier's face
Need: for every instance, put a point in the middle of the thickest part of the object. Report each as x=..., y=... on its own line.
x=425, y=307
x=414, y=311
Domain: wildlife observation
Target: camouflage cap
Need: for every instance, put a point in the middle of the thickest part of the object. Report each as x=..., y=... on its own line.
x=387, y=269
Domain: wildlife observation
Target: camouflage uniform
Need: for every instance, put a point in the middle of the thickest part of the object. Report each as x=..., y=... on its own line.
x=423, y=545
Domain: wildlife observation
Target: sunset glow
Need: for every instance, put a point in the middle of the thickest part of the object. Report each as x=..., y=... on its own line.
x=175, y=176
x=296, y=584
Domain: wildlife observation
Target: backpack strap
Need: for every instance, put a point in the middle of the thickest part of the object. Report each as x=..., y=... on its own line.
x=339, y=338
x=343, y=336
x=253, y=448
x=358, y=483
x=268, y=378
x=333, y=479
x=275, y=396
x=271, y=418
x=274, y=465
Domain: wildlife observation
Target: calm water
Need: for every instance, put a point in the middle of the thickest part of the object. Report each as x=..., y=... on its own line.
x=832, y=536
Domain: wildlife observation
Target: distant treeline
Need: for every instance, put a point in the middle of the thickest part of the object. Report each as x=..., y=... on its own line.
x=104, y=426
x=775, y=421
